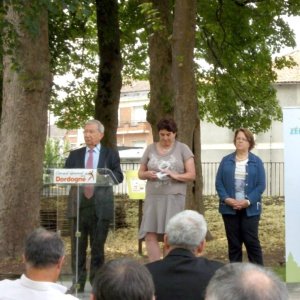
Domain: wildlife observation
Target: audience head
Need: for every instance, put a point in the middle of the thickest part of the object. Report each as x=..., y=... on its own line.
x=123, y=279
x=245, y=281
x=43, y=249
x=186, y=229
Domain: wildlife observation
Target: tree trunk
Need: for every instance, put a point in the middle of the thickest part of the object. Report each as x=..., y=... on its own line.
x=184, y=88
x=1, y=87
x=160, y=54
x=1, y=70
x=109, y=77
x=26, y=93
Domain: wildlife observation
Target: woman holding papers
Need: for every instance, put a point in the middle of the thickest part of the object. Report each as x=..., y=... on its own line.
x=167, y=166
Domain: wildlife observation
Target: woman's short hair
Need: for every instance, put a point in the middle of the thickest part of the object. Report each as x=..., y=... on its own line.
x=167, y=124
x=249, y=137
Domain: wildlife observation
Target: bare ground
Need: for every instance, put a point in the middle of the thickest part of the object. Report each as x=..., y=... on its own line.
x=122, y=241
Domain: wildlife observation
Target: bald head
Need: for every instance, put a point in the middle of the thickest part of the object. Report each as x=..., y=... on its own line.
x=122, y=279
x=245, y=281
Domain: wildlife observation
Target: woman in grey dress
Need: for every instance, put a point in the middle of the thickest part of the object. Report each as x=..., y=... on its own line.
x=167, y=166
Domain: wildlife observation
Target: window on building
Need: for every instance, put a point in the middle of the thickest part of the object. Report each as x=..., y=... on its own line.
x=138, y=115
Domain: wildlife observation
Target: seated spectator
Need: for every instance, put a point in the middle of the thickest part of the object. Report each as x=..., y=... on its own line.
x=123, y=279
x=43, y=257
x=181, y=274
x=243, y=281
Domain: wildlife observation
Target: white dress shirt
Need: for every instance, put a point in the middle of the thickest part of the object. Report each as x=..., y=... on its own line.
x=27, y=289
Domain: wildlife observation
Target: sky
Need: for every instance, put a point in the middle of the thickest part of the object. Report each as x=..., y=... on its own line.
x=294, y=23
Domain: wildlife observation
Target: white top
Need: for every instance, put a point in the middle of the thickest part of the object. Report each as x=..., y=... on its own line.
x=240, y=179
x=27, y=289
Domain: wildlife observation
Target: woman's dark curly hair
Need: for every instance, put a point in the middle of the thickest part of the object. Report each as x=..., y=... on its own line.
x=167, y=124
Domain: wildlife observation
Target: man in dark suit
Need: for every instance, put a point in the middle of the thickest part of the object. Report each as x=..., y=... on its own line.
x=96, y=207
x=181, y=274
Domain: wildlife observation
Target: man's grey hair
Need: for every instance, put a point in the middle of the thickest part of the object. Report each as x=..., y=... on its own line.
x=245, y=281
x=43, y=248
x=122, y=279
x=99, y=125
x=186, y=229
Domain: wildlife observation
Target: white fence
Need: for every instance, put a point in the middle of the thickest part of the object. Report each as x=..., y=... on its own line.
x=274, y=178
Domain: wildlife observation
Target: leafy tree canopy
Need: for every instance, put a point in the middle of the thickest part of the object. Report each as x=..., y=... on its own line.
x=235, y=38
x=80, y=58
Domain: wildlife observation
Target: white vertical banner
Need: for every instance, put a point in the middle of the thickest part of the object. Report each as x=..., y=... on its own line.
x=291, y=133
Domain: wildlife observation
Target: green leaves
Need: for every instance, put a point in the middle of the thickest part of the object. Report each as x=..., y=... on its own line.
x=152, y=16
x=237, y=41
x=54, y=153
x=73, y=103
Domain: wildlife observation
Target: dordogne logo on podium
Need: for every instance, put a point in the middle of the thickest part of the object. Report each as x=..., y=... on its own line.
x=75, y=176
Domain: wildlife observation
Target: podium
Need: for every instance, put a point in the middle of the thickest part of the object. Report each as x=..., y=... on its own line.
x=77, y=179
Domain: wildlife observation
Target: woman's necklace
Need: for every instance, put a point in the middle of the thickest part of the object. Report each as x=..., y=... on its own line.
x=241, y=157
x=165, y=150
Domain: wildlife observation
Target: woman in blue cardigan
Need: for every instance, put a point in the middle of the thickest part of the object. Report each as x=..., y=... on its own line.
x=240, y=183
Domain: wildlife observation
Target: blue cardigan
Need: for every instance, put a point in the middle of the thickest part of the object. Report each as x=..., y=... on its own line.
x=254, y=187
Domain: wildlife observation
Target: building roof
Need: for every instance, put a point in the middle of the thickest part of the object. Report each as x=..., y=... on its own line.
x=290, y=74
x=136, y=86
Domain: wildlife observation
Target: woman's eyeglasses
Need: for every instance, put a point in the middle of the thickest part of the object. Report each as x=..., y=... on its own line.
x=241, y=139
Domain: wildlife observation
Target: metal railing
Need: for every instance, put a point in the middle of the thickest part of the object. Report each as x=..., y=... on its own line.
x=54, y=198
x=274, y=178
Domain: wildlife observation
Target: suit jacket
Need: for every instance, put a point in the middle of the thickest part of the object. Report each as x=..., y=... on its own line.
x=103, y=196
x=181, y=275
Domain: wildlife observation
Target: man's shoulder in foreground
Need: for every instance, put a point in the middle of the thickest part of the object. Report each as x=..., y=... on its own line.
x=182, y=275
x=185, y=256
x=213, y=264
x=27, y=289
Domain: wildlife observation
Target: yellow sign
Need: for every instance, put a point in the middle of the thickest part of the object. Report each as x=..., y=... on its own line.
x=136, y=186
